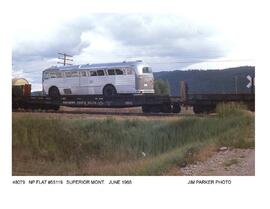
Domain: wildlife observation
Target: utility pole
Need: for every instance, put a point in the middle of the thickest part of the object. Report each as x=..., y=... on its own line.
x=64, y=57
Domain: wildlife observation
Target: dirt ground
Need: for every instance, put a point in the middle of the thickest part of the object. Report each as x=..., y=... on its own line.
x=234, y=162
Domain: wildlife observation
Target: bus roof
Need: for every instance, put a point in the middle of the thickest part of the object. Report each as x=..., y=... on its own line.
x=97, y=65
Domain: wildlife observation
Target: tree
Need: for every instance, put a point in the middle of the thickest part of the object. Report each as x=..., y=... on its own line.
x=162, y=87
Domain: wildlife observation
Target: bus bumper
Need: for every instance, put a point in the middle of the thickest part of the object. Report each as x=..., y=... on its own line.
x=145, y=91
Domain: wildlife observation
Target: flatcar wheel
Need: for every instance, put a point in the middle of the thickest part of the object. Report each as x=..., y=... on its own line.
x=197, y=109
x=211, y=109
x=146, y=108
x=55, y=107
x=156, y=108
x=176, y=108
x=166, y=108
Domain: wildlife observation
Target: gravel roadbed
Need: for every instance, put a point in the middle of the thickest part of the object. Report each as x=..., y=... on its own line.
x=234, y=162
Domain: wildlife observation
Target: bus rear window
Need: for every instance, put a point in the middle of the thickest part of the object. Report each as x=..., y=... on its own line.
x=147, y=70
x=46, y=76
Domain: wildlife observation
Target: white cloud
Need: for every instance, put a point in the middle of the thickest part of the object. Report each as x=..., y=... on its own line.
x=121, y=36
x=206, y=31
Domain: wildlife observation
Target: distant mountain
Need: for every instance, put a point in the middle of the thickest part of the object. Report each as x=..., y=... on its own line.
x=209, y=81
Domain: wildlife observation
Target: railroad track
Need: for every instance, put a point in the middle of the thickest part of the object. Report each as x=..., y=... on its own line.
x=115, y=113
x=98, y=113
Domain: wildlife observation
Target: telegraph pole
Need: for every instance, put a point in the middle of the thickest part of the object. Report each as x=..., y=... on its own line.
x=65, y=58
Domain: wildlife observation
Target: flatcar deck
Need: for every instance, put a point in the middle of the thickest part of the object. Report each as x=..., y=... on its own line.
x=150, y=103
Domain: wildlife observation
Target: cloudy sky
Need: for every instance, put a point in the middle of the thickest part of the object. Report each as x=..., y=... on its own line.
x=168, y=36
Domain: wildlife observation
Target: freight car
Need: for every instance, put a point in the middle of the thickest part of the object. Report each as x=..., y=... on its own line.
x=206, y=103
x=20, y=87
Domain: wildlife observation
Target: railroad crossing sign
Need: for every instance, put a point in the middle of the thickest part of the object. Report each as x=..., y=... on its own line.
x=250, y=81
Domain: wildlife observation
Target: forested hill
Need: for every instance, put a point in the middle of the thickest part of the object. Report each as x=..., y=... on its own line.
x=209, y=81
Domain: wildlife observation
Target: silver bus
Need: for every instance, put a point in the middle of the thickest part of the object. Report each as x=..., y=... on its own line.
x=108, y=79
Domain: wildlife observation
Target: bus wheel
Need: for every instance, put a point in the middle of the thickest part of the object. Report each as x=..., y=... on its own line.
x=109, y=91
x=54, y=92
x=197, y=109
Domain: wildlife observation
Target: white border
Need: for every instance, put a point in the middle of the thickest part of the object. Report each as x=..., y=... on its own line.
x=145, y=192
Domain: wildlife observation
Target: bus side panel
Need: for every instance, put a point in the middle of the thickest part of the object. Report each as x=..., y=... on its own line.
x=125, y=83
x=84, y=84
x=72, y=83
x=98, y=83
x=58, y=82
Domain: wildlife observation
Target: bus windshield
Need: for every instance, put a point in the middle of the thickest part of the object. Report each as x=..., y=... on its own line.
x=147, y=70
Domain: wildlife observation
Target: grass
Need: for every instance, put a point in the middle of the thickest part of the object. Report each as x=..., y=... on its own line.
x=230, y=108
x=116, y=147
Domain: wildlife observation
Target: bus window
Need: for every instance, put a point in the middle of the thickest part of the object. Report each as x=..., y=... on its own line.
x=68, y=74
x=100, y=72
x=46, y=76
x=58, y=75
x=74, y=74
x=119, y=72
x=52, y=75
x=129, y=71
x=83, y=73
x=147, y=70
x=111, y=72
x=93, y=73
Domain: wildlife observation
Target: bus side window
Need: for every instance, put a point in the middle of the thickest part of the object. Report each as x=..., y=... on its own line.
x=52, y=75
x=83, y=73
x=119, y=72
x=93, y=73
x=59, y=75
x=74, y=74
x=111, y=72
x=100, y=72
x=68, y=74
